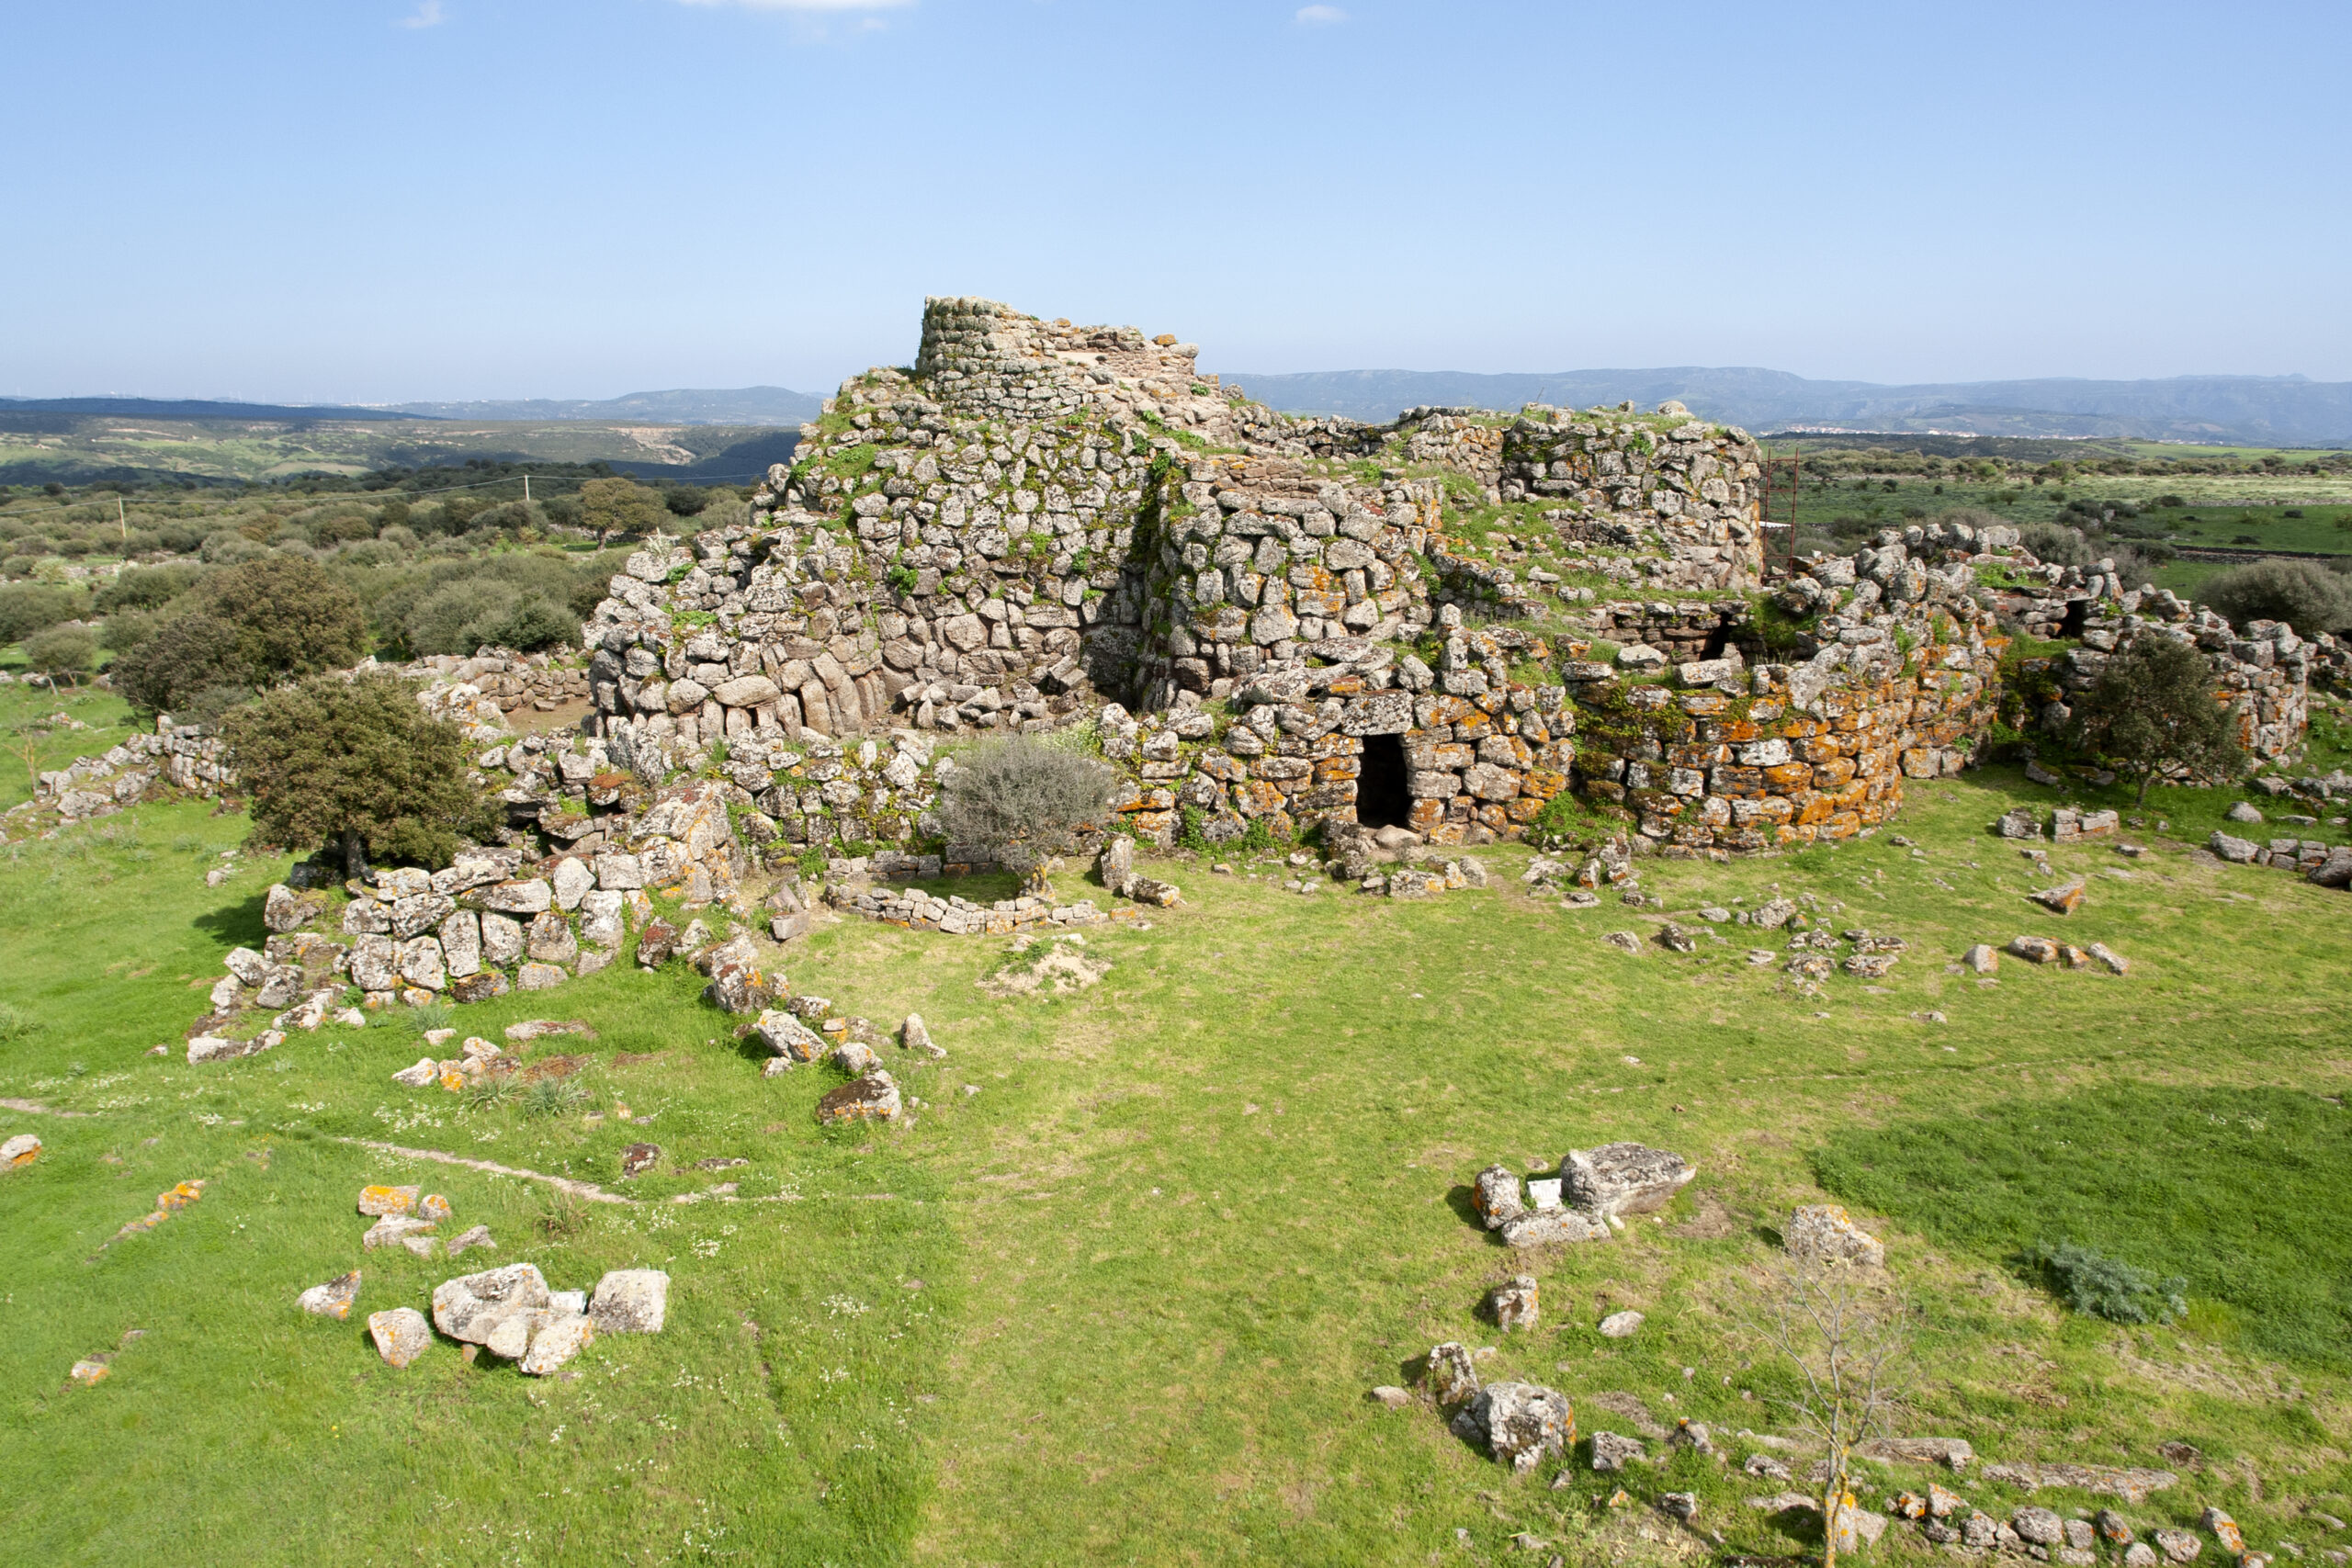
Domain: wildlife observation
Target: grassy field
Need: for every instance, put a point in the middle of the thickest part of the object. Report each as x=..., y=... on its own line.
x=1116, y=1292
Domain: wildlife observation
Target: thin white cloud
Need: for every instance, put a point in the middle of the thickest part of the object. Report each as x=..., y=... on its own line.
x=1320, y=16
x=428, y=15
x=805, y=5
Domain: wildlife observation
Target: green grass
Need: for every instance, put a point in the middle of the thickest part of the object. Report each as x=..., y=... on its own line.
x=26, y=721
x=1190, y=1215
x=2238, y=1190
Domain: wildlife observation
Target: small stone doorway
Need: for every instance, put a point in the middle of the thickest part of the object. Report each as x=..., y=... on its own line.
x=1381, y=798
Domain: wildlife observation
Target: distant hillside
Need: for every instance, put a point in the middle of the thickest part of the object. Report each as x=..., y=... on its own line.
x=744, y=405
x=84, y=448
x=22, y=409
x=2249, y=411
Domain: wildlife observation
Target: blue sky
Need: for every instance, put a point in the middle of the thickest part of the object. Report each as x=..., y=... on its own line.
x=394, y=200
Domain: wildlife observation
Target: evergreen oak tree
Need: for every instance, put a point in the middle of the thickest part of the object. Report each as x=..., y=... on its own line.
x=357, y=766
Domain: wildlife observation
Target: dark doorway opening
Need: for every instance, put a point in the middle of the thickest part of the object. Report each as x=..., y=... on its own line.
x=1718, y=640
x=2078, y=614
x=1382, y=799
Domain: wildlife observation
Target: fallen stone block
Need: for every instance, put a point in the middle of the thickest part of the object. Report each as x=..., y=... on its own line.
x=378, y=1202
x=873, y=1098
x=1515, y=1302
x=1520, y=1424
x=333, y=1299
x=631, y=1301
x=466, y=1240
x=401, y=1335
x=470, y=1308
x=2063, y=899
x=1620, y=1324
x=1548, y=1227
x=2034, y=949
x=20, y=1150
x=1494, y=1193
x=393, y=1229
x=1450, y=1373
x=1952, y=1453
x=556, y=1342
x=1825, y=1232
x=1611, y=1453
x=1624, y=1178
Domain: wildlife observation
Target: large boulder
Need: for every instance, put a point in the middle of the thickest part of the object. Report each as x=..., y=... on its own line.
x=470, y=1308
x=1520, y=1423
x=1624, y=1178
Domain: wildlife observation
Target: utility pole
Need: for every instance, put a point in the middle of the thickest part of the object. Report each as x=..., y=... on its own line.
x=121, y=518
x=526, y=490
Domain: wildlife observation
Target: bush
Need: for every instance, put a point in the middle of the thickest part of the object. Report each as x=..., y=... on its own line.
x=65, y=652
x=685, y=500
x=26, y=608
x=2154, y=709
x=475, y=612
x=229, y=547
x=2303, y=593
x=2056, y=545
x=126, y=629
x=356, y=765
x=250, y=625
x=1021, y=797
x=145, y=588
x=2107, y=1287
x=620, y=506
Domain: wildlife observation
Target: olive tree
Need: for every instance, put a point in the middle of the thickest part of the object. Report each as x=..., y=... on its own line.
x=2153, y=710
x=1022, y=798
x=356, y=765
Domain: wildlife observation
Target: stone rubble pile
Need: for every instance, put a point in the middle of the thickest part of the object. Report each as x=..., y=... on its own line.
x=1589, y=1194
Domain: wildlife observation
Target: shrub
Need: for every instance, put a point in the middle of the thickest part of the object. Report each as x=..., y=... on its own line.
x=126, y=629
x=2154, y=709
x=1020, y=796
x=27, y=608
x=253, y=624
x=2107, y=1287
x=61, y=652
x=145, y=588
x=620, y=506
x=357, y=765
x=2303, y=593
x=2056, y=545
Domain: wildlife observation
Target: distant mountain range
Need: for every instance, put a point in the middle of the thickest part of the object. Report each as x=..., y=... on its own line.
x=2249, y=411
x=744, y=405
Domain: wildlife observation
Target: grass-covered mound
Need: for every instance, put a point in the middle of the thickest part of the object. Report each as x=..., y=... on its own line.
x=2238, y=1191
